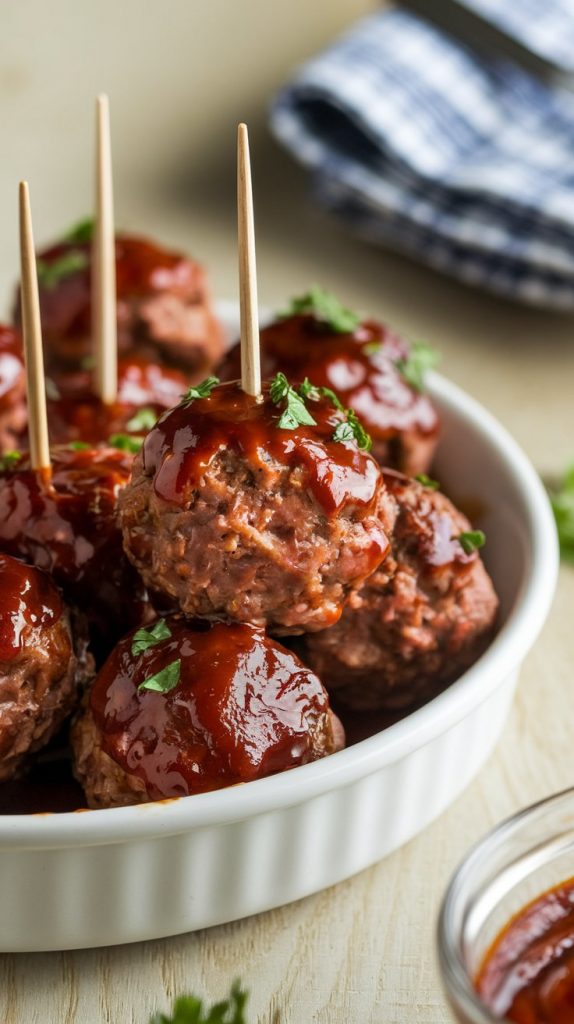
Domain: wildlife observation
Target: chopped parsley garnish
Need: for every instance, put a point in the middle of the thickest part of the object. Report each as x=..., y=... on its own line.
x=562, y=502
x=165, y=680
x=202, y=390
x=471, y=541
x=308, y=390
x=78, y=446
x=87, y=362
x=427, y=481
x=144, y=419
x=295, y=413
x=8, y=460
x=145, y=638
x=371, y=348
x=326, y=308
x=126, y=443
x=50, y=274
x=352, y=429
x=190, y=1010
x=81, y=232
x=414, y=367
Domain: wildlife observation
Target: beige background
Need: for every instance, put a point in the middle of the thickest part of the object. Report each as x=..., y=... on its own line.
x=180, y=76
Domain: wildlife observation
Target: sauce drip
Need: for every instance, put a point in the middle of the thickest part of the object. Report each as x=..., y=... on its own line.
x=29, y=604
x=244, y=707
x=359, y=367
x=183, y=443
x=528, y=974
x=65, y=523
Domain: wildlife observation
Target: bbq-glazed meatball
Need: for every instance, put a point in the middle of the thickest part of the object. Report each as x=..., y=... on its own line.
x=237, y=510
x=65, y=523
x=419, y=621
x=371, y=369
x=145, y=390
x=163, y=304
x=183, y=708
x=38, y=686
x=13, y=408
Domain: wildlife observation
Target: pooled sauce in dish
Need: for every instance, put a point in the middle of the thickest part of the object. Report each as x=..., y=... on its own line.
x=359, y=366
x=179, y=448
x=528, y=974
x=243, y=708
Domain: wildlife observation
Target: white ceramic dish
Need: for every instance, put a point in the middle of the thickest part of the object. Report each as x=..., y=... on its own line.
x=103, y=877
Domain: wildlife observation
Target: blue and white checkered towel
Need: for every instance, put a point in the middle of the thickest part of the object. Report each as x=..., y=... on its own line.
x=464, y=161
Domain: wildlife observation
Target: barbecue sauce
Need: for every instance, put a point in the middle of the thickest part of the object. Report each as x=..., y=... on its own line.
x=528, y=974
x=359, y=366
x=244, y=708
x=178, y=450
x=65, y=523
x=29, y=604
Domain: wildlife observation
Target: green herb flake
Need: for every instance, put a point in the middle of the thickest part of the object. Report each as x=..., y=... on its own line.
x=312, y=391
x=372, y=348
x=81, y=232
x=146, y=638
x=165, y=680
x=427, y=481
x=8, y=460
x=326, y=308
x=79, y=446
x=125, y=443
x=296, y=413
x=144, y=419
x=190, y=1010
x=562, y=501
x=202, y=390
x=414, y=367
x=51, y=273
x=351, y=429
x=471, y=541
x=87, y=362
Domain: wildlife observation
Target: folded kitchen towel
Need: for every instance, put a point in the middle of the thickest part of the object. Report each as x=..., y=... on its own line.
x=464, y=160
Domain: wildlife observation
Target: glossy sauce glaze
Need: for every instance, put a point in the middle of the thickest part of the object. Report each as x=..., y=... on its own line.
x=428, y=533
x=78, y=415
x=528, y=974
x=65, y=523
x=359, y=366
x=142, y=268
x=244, y=708
x=179, y=448
x=29, y=604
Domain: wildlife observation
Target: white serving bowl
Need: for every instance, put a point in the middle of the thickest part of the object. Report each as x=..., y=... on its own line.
x=96, y=878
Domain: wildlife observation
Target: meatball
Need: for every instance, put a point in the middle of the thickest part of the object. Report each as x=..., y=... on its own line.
x=38, y=685
x=145, y=390
x=363, y=367
x=163, y=305
x=232, y=514
x=420, y=620
x=184, y=708
x=65, y=523
x=13, y=408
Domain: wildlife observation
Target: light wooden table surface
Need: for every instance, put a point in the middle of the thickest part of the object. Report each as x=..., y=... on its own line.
x=363, y=952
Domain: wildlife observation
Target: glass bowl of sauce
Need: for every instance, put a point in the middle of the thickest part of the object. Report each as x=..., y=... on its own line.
x=506, y=925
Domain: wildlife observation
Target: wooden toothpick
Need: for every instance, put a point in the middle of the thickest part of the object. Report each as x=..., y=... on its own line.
x=32, y=333
x=104, y=323
x=250, y=355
